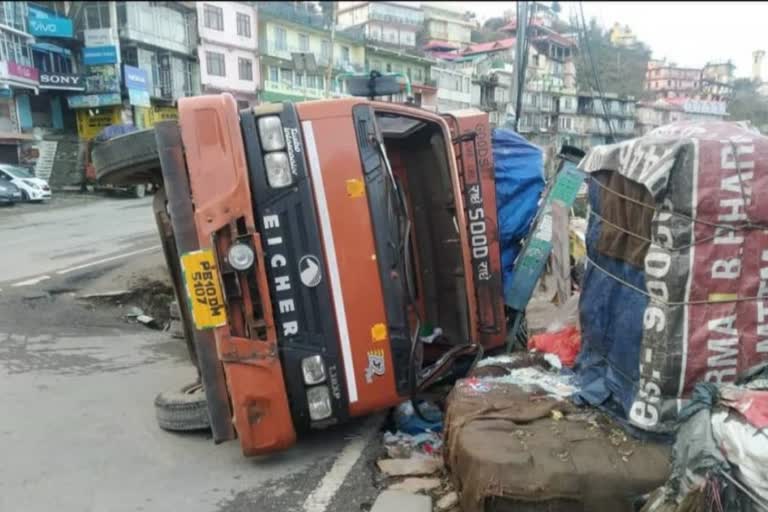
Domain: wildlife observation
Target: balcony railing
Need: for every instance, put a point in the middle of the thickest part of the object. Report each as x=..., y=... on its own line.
x=400, y=20
x=286, y=88
x=285, y=52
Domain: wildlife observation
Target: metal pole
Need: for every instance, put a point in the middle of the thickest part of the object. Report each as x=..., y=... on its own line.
x=329, y=70
x=522, y=25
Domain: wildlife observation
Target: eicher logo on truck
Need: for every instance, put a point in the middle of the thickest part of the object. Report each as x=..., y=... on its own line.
x=283, y=299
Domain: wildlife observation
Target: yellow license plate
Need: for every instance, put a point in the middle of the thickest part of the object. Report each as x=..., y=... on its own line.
x=204, y=289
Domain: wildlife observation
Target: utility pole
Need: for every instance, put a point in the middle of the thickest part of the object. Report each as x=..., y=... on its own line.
x=329, y=70
x=520, y=58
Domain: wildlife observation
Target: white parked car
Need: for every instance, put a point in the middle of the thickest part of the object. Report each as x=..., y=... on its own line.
x=32, y=188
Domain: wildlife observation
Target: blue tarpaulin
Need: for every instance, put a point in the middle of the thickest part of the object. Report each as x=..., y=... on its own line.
x=519, y=167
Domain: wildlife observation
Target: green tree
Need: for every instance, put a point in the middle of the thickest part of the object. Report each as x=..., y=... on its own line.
x=621, y=70
x=748, y=105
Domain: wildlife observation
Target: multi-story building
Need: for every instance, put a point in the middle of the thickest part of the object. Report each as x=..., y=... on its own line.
x=713, y=83
x=291, y=35
x=651, y=115
x=622, y=35
x=19, y=79
x=37, y=71
x=138, y=58
x=717, y=81
x=389, y=23
x=228, y=50
x=415, y=67
x=454, y=88
x=667, y=80
x=446, y=25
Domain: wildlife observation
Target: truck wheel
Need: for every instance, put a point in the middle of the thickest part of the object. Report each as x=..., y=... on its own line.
x=139, y=191
x=183, y=410
x=129, y=159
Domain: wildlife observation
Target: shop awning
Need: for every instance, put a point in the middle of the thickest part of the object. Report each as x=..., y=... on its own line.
x=16, y=136
x=52, y=48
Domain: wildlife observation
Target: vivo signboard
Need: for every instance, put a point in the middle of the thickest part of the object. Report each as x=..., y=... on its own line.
x=61, y=81
x=42, y=23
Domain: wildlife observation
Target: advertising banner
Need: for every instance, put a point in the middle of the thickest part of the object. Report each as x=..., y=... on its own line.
x=96, y=55
x=42, y=23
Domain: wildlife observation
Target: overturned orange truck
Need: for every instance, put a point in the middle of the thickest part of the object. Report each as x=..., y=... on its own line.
x=317, y=245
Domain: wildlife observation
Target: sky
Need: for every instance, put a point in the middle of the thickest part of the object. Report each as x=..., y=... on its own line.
x=687, y=33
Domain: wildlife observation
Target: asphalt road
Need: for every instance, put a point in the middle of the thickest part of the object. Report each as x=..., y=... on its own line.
x=77, y=384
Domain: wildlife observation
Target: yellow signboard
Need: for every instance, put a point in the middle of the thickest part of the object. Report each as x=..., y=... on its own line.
x=204, y=289
x=88, y=126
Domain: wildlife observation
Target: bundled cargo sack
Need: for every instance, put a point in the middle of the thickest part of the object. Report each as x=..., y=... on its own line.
x=698, y=310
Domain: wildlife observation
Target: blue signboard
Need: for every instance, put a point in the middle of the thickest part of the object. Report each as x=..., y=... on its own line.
x=135, y=78
x=138, y=98
x=96, y=55
x=93, y=100
x=42, y=23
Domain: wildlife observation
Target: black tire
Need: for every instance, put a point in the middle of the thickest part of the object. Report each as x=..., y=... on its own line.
x=183, y=410
x=24, y=196
x=129, y=159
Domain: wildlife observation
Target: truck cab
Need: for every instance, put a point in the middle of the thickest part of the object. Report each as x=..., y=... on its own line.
x=317, y=245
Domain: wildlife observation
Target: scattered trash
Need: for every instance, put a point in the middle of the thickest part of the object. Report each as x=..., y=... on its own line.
x=415, y=465
x=148, y=321
x=531, y=379
x=401, y=445
x=720, y=460
x=448, y=501
x=428, y=335
x=416, y=484
x=566, y=343
x=134, y=312
x=409, y=422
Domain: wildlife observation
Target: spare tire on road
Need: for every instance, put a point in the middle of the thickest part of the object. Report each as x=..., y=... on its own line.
x=183, y=410
x=129, y=159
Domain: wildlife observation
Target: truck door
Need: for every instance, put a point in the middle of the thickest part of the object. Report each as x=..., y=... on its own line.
x=471, y=134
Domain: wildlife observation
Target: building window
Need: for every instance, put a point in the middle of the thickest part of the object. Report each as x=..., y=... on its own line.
x=281, y=39
x=303, y=43
x=15, y=48
x=213, y=17
x=245, y=69
x=417, y=75
x=214, y=64
x=389, y=67
x=286, y=76
x=96, y=14
x=325, y=49
x=299, y=80
x=273, y=76
x=243, y=25
x=345, y=54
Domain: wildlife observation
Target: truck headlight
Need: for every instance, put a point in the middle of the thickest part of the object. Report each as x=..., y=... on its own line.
x=241, y=256
x=313, y=370
x=319, y=400
x=278, y=169
x=271, y=133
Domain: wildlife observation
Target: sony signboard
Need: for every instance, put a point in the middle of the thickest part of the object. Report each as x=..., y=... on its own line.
x=61, y=81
